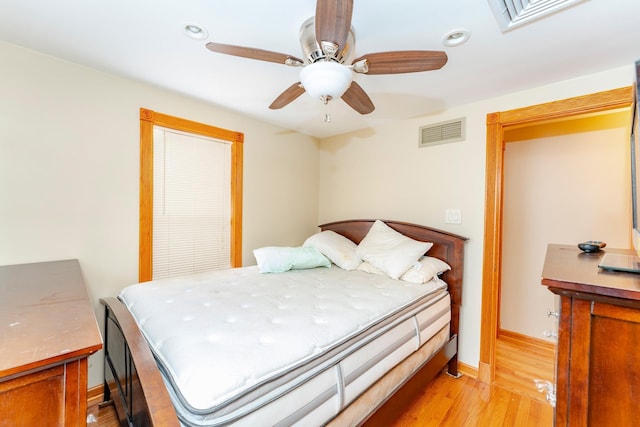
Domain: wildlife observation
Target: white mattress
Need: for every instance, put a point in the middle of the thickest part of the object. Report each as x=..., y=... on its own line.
x=240, y=346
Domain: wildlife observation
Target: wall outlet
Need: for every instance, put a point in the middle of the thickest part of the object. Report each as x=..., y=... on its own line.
x=453, y=216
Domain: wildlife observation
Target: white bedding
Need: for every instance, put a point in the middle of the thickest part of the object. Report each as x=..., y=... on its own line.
x=232, y=341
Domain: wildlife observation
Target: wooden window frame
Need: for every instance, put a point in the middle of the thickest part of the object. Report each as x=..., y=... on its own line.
x=149, y=119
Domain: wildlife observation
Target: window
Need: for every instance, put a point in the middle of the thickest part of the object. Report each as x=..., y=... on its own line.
x=190, y=196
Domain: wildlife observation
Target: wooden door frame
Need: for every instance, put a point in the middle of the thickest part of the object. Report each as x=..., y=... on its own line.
x=497, y=124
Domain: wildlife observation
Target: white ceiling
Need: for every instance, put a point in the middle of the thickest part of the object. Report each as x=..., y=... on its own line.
x=143, y=40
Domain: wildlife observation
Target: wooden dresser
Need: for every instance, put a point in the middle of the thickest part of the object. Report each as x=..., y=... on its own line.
x=598, y=359
x=47, y=332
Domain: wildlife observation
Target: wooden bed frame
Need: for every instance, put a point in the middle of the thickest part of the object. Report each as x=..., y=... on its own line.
x=133, y=381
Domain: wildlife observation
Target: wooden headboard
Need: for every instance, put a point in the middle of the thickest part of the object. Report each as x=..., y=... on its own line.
x=447, y=246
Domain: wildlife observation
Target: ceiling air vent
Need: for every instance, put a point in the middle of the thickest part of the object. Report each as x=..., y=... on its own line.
x=442, y=133
x=513, y=13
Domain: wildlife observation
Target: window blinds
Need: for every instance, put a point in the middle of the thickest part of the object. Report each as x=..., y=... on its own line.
x=191, y=203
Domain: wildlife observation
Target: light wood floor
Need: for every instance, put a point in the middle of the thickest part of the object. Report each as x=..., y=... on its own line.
x=466, y=401
x=106, y=416
x=520, y=360
x=446, y=401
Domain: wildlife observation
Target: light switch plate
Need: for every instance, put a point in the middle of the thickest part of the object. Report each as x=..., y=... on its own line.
x=453, y=216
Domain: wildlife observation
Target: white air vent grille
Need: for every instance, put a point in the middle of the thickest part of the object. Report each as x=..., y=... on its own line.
x=442, y=133
x=513, y=13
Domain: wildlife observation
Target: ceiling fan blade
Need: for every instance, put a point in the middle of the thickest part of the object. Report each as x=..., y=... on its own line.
x=402, y=61
x=357, y=98
x=333, y=21
x=253, y=53
x=286, y=97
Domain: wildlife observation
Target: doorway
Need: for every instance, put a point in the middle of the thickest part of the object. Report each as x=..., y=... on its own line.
x=497, y=124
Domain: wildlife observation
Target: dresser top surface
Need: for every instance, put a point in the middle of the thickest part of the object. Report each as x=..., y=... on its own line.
x=568, y=268
x=45, y=316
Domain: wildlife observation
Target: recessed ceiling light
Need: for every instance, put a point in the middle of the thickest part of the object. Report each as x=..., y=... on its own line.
x=456, y=38
x=195, y=31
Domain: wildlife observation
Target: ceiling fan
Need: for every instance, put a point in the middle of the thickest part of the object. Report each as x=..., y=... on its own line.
x=328, y=43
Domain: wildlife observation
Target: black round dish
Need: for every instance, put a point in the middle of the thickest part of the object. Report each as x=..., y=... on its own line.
x=591, y=246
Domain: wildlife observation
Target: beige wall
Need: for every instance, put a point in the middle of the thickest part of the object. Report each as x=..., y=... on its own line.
x=570, y=186
x=69, y=150
x=381, y=173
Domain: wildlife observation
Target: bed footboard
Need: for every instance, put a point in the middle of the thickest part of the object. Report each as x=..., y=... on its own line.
x=136, y=388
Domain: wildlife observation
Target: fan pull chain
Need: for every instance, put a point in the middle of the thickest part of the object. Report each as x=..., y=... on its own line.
x=327, y=113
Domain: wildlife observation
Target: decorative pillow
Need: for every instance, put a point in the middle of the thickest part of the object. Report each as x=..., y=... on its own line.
x=340, y=250
x=390, y=251
x=425, y=270
x=278, y=259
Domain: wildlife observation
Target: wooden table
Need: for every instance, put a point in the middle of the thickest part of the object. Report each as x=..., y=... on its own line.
x=598, y=359
x=47, y=332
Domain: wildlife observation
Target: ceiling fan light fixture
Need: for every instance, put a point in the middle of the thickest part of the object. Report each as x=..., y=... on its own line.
x=325, y=80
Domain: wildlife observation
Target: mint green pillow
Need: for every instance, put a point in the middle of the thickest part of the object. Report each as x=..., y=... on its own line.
x=278, y=259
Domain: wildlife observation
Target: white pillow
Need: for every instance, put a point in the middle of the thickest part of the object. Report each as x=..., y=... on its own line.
x=425, y=270
x=340, y=250
x=368, y=268
x=278, y=259
x=390, y=251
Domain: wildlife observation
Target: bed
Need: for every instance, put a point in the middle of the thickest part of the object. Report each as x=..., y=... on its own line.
x=335, y=361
